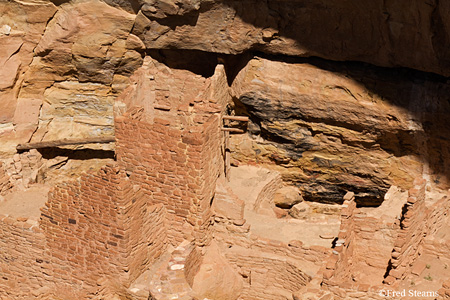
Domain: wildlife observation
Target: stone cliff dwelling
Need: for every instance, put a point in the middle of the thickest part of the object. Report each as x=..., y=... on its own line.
x=224, y=150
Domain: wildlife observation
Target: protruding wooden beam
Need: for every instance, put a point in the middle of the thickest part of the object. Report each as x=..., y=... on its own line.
x=236, y=118
x=66, y=142
x=236, y=130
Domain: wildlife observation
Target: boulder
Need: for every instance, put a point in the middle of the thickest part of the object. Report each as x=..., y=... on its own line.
x=300, y=210
x=287, y=197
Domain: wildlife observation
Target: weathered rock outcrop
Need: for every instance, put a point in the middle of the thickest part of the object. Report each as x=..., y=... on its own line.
x=23, y=24
x=330, y=127
x=414, y=34
x=62, y=67
x=337, y=96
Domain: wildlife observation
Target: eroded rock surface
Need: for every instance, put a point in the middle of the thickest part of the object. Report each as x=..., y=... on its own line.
x=287, y=197
x=216, y=279
x=333, y=127
x=70, y=50
x=180, y=75
x=378, y=32
x=24, y=23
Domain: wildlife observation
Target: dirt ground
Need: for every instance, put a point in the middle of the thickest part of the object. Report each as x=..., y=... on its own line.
x=248, y=181
x=25, y=203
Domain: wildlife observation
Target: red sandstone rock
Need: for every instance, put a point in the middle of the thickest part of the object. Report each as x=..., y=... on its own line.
x=335, y=129
x=292, y=29
x=418, y=268
x=216, y=279
x=287, y=197
x=287, y=99
x=280, y=213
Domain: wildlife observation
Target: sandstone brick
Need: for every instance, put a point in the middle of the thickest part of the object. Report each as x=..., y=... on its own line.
x=389, y=280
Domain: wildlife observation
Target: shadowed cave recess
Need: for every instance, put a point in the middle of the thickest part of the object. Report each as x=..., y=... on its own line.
x=215, y=149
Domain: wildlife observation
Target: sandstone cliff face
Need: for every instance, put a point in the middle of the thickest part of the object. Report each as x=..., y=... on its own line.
x=328, y=127
x=333, y=127
x=343, y=97
x=23, y=24
x=63, y=66
x=414, y=34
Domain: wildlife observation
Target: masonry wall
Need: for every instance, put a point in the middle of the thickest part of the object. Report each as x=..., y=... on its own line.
x=28, y=269
x=175, y=167
x=22, y=169
x=270, y=269
x=264, y=201
x=212, y=165
x=413, y=229
x=339, y=264
x=110, y=225
x=438, y=215
x=147, y=231
x=267, y=276
x=24, y=268
x=99, y=227
x=5, y=184
x=408, y=242
x=155, y=158
x=229, y=234
x=374, y=240
x=357, y=266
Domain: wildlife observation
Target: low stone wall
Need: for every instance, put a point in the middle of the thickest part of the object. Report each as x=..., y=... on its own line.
x=408, y=237
x=438, y=215
x=267, y=276
x=360, y=258
x=376, y=238
x=95, y=229
x=230, y=234
x=264, y=201
x=5, y=183
x=270, y=269
x=413, y=229
x=339, y=264
x=437, y=223
x=23, y=168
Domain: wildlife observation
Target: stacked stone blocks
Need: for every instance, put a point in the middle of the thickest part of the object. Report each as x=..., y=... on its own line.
x=102, y=227
x=413, y=229
x=5, y=184
x=175, y=167
x=339, y=263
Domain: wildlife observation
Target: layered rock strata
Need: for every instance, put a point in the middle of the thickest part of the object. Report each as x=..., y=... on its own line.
x=329, y=127
x=164, y=80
